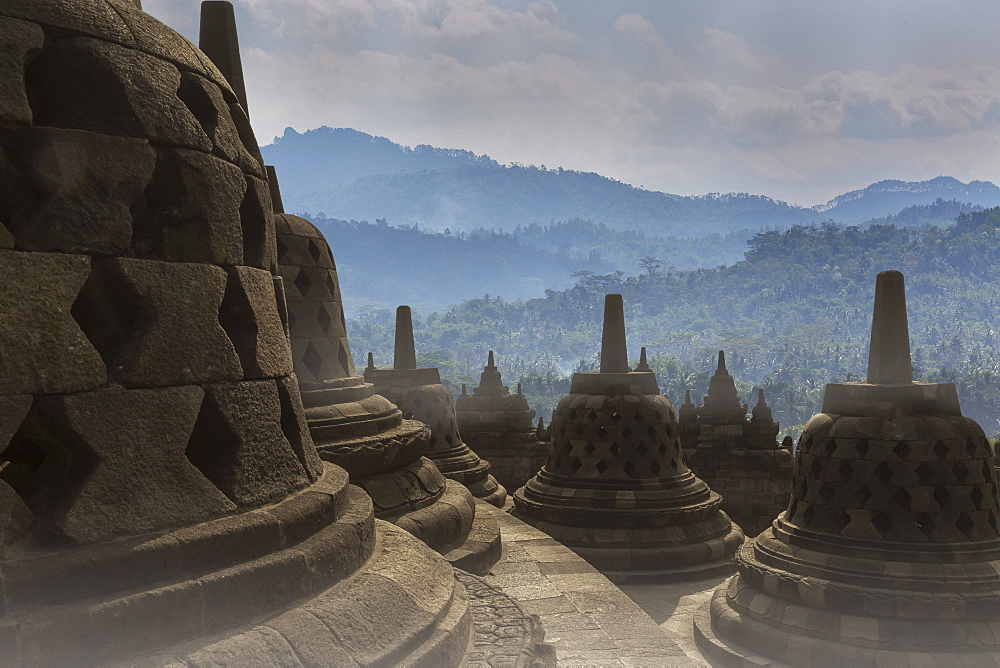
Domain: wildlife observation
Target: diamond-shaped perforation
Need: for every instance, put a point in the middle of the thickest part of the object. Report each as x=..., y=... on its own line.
x=673, y=465
x=862, y=448
x=629, y=469
x=663, y=449
x=808, y=515
x=314, y=251
x=651, y=432
x=826, y=447
x=943, y=497
x=324, y=319
x=841, y=520
x=902, y=450
x=976, y=496
x=601, y=466
x=588, y=448
x=641, y=449
x=966, y=525
x=883, y=472
x=926, y=525
x=826, y=491
x=882, y=523
x=313, y=360
x=924, y=473
x=902, y=498
x=615, y=449
x=961, y=471
x=941, y=450
x=845, y=470
x=657, y=416
x=591, y=415
x=815, y=467
x=602, y=432
x=627, y=433
x=655, y=468
x=575, y=465
x=331, y=286
x=639, y=418
x=303, y=282
x=615, y=417
x=282, y=249
x=863, y=496
x=972, y=449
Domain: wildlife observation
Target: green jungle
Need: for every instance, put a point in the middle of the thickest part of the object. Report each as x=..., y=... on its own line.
x=793, y=315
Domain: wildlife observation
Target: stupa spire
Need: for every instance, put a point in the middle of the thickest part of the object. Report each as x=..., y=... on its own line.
x=642, y=366
x=722, y=364
x=889, y=352
x=761, y=412
x=272, y=185
x=371, y=362
x=405, y=355
x=218, y=39
x=614, y=355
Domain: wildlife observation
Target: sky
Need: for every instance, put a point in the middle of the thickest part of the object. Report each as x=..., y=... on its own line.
x=799, y=100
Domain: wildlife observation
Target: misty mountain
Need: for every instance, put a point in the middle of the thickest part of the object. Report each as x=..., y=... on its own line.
x=351, y=175
x=324, y=158
x=885, y=198
x=458, y=190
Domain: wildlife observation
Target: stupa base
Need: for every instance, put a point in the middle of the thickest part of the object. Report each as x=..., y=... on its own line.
x=677, y=553
x=740, y=626
x=482, y=548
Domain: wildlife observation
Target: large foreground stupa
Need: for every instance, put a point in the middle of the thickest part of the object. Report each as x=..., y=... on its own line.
x=889, y=551
x=615, y=487
x=161, y=500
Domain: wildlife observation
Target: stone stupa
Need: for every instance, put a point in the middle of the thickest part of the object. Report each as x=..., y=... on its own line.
x=889, y=551
x=161, y=500
x=615, y=488
x=419, y=393
x=738, y=457
x=351, y=425
x=499, y=426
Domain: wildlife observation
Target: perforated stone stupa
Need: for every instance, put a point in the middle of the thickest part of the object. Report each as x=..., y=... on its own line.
x=498, y=426
x=889, y=551
x=419, y=392
x=737, y=457
x=615, y=487
x=161, y=500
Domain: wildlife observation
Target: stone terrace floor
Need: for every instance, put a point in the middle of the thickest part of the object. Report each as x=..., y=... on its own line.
x=589, y=620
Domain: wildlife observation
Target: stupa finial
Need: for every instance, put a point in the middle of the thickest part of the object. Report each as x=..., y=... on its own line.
x=405, y=353
x=722, y=364
x=371, y=362
x=218, y=39
x=642, y=366
x=614, y=355
x=889, y=352
x=464, y=392
x=489, y=360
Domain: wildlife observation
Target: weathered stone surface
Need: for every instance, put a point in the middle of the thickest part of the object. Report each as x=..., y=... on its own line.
x=52, y=354
x=157, y=323
x=19, y=42
x=249, y=314
x=97, y=19
x=72, y=191
x=15, y=517
x=87, y=84
x=239, y=445
x=205, y=100
x=126, y=472
x=295, y=428
x=257, y=225
x=191, y=211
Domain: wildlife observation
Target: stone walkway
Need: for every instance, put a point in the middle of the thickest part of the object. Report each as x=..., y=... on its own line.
x=589, y=620
x=672, y=607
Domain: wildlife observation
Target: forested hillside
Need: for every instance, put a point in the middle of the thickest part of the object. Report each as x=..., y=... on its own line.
x=792, y=316
x=381, y=264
